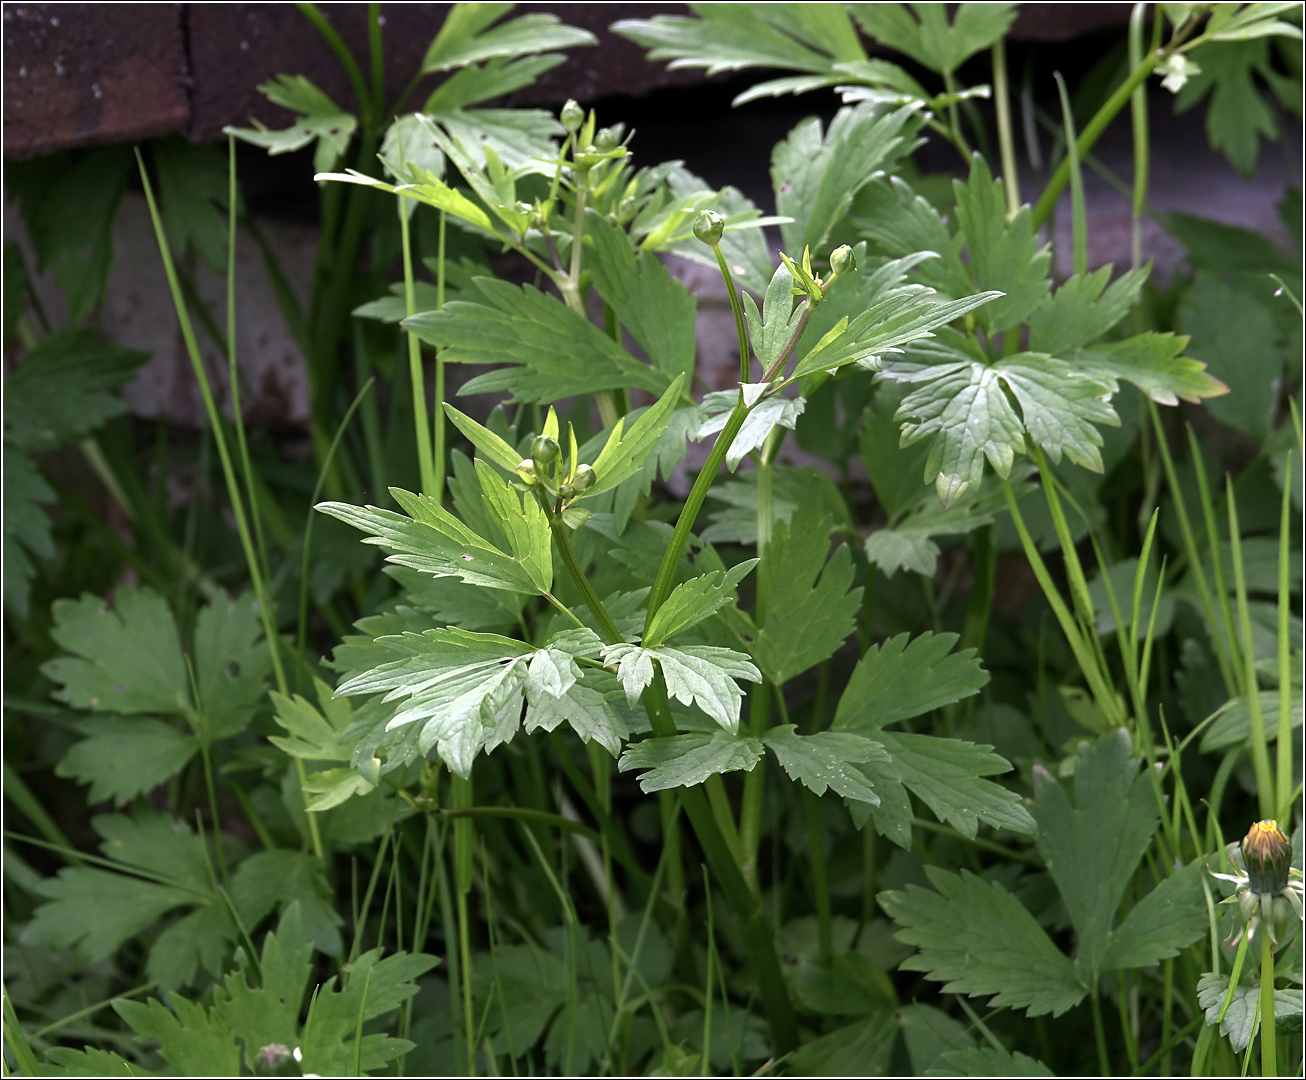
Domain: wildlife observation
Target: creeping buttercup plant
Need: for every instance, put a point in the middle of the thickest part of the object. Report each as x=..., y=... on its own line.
x=580, y=674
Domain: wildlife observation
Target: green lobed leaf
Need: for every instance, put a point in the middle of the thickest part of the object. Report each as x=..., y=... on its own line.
x=821, y=761
x=1237, y=115
x=988, y=1061
x=595, y=706
x=192, y=184
x=125, y=660
x=704, y=675
x=1153, y=363
x=64, y=389
x=1093, y=847
x=542, y=350
x=1241, y=1021
x=123, y=757
x=1003, y=255
x=930, y=1033
x=657, y=309
x=764, y=416
x=686, y=760
x=694, y=600
x=811, y=608
x=928, y=38
x=524, y=523
x=816, y=173
x=495, y=78
x=978, y=940
x=1083, y=309
x=232, y=663
x=435, y=541
x=770, y=329
x=468, y=36
x=191, y=1040
x=1233, y=724
x=862, y=1047
x=898, y=680
x=321, y=121
x=26, y=528
x=946, y=774
x=1164, y=921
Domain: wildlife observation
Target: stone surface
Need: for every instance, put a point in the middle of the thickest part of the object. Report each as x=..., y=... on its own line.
x=80, y=74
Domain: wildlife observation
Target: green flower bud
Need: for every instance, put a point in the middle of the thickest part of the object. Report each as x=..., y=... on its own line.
x=566, y=491
x=1266, y=853
x=526, y=470
x=572, y=116
x=708, y=227
x=544, y=451
x=584, y=478
x=842, y=260
x=606, y=140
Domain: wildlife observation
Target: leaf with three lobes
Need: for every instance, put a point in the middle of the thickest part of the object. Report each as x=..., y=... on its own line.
x=694, y=600
x=903, y=223
x=898, y=680
x=815, y=174
x=125, y=660
x=464, y=689
x=314, y=734
x=975, y=937
x=704, y=675
x=436, y=542
x=543, y=351
x=931, y=41
x=1241, y=1021
x=27, y=529
x=810, y=607
x=495, y=78
x=686, y=760
x=763, y=417
x=656, y=308
x=822, y=761
x=468, y=36
x=321, y=120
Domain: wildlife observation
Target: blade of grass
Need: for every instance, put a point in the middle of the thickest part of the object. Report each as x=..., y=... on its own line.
x=1260, y=753
x=1079, y=222
x=1006, y=141
x=1283, y=751
x=24, y=1055
x=1217, y=561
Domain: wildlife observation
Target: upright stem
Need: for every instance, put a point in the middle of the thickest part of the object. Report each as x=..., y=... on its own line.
x=820, y=881
x=1006, y=141
x=680, y=536
x=1092, y=132
x=1260, y=753
x=1284, y=749
x=738, y=310
x=1099, y=1033
x=438, y=491
x=1138, y=114
x=421, y=419
x=1269, y=1064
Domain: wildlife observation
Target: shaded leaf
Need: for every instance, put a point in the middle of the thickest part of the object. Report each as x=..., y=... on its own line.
x=821, y=761
x=898, y=680
x=686, y=760
x=975, y=937
x=694, y=600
